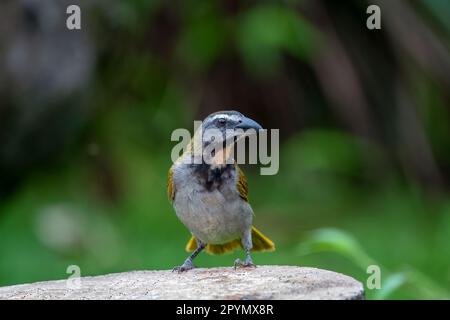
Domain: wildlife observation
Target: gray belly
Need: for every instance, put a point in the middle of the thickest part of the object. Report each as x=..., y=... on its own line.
x=211, y=217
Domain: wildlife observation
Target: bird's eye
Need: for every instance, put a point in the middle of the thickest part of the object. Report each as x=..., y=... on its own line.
x=221, y=121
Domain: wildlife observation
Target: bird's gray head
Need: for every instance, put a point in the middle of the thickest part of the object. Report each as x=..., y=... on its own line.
x=224, y=126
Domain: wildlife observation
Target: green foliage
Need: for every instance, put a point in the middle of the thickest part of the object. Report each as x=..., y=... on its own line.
x=336, y=241
x=203, y=39
x=342, y=243
x=328, y=150
x=267, y=31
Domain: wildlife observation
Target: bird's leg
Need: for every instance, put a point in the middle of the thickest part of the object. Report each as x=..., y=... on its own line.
x=248, y=245
x=248, y=263
x=188, y=264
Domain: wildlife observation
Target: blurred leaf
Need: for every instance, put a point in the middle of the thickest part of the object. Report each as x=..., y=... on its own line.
x=334, y=240
x=389, y=285
x=265, y=31
x=202, y=41
x=129, y=14
x=340, y=242
x=427, y=287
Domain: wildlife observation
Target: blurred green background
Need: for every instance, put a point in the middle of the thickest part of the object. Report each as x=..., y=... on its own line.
x=364, y=119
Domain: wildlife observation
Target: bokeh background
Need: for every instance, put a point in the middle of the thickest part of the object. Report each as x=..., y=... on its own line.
x=364, y=119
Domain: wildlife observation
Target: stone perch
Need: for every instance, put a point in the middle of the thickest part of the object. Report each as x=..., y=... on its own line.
x=264, y=282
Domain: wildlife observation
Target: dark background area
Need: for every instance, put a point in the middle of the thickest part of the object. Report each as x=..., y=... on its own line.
x=364, y=119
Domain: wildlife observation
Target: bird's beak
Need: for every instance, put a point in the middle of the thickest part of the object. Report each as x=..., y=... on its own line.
x=248, y=123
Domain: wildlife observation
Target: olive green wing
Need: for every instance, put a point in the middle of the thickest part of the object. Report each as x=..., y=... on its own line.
x=241, y=184
x=170, y=186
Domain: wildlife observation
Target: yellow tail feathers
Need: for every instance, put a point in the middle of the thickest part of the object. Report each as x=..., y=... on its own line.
x=260, y=243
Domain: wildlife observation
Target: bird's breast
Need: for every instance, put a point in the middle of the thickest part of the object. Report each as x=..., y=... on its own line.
x=213, y=212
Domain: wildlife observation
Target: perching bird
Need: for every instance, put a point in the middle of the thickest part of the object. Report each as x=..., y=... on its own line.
x=210, y=197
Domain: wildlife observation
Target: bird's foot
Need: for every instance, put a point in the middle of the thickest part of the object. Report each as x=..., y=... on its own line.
x=187, y=265
x=248, y=263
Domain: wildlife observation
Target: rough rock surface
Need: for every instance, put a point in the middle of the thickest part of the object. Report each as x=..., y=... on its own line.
x=264, y=282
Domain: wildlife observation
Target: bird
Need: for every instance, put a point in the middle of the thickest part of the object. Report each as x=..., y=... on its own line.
x=209, y=192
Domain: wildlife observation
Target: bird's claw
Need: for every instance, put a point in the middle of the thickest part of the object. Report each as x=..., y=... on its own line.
x=187, y=265
x=243, y=264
